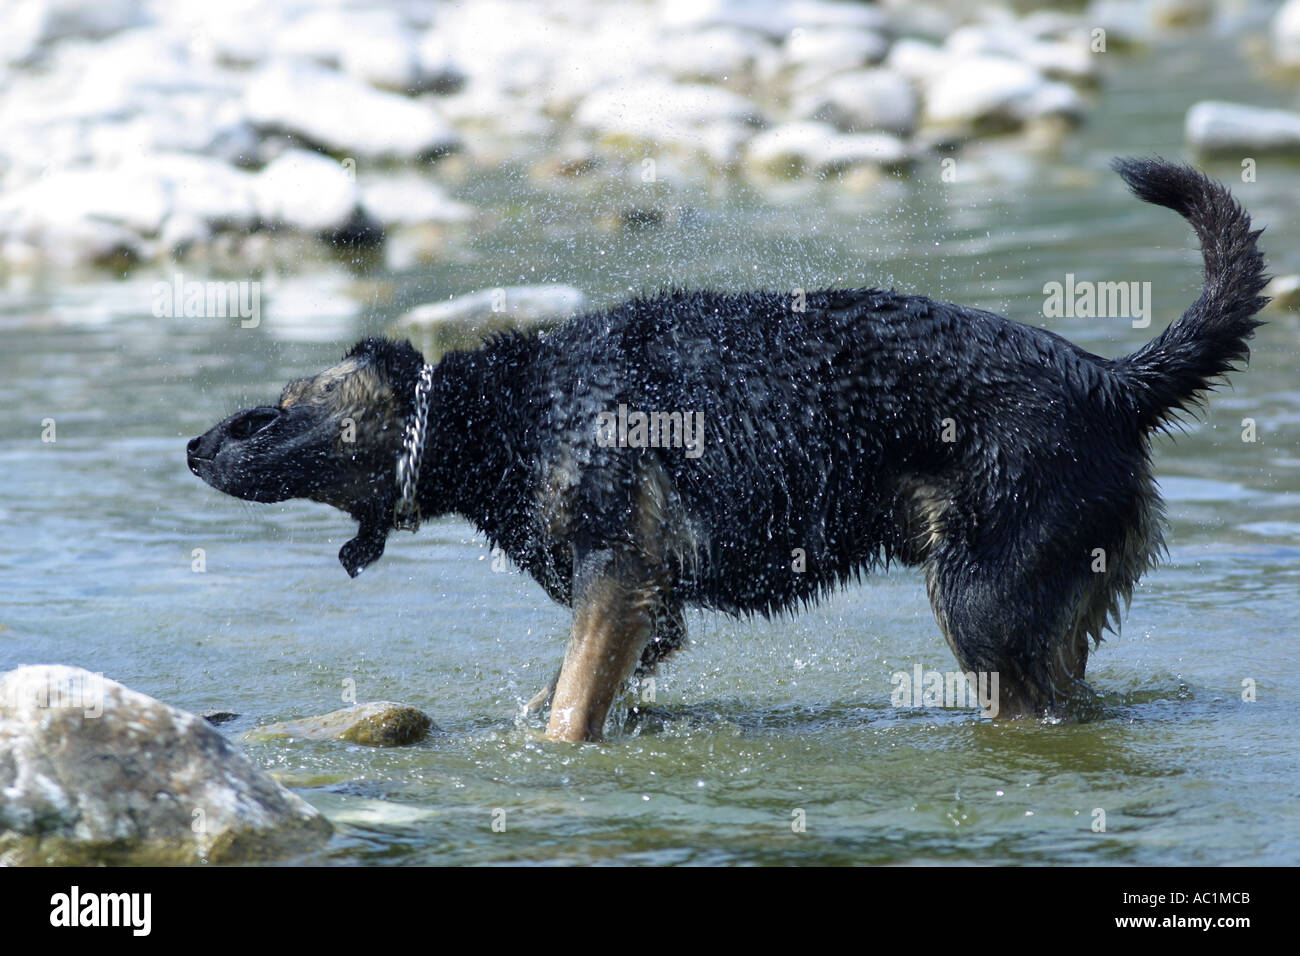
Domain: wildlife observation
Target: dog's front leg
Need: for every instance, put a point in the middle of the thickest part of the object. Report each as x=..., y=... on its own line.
x=615, y=594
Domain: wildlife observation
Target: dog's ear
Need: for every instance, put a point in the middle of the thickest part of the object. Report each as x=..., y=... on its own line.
x=399, y=364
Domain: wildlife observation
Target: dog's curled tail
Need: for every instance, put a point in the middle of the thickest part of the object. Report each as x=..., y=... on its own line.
x=1171, y=371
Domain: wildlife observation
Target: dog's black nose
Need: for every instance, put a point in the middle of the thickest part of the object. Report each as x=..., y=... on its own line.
x=192, y=454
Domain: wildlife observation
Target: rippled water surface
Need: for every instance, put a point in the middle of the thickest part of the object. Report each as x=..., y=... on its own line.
x=760, y=719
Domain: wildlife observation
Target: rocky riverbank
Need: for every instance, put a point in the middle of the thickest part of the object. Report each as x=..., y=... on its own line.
x=135, y=131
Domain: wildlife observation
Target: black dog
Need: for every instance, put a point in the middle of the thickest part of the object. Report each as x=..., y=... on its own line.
x=751, y=452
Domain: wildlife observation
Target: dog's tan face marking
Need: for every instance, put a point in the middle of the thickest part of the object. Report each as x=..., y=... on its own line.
x=348, y=387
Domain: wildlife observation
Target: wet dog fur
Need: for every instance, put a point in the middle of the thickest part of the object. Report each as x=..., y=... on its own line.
x=865, y=428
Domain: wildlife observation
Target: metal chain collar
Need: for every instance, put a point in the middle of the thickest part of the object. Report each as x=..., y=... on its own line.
x=406, y=513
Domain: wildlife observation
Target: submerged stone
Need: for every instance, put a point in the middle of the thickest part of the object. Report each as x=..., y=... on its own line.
x=378, y=723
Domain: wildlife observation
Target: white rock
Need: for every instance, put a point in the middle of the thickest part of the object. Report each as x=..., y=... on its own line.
x=136, y=196
x=850, y=150
x=981, y=88
x=515, y=59
x=439, y=60
x=209, y=190
x=242, y=32
x=1181, y=13
x=654, y=109
x=410, y=200
x=385, y=59
x=1071, y=58
x=183, y=230
x=127, y=198
x=833, y=13
x=793, y=149
x=519, y=304
x=339, y=113
x=834, y=49
x=917, y=60
x=1002, y=38
x=716, y=55
x=69, y=243
x=30, y=25
x=773, y=18
x=481, y=107
x=1213, y=126
x=1285, y=28
x=788, y=149
x=1059, y=100
x=1126, y=22
x=376, y=46
x=864, y=100
x=24, y=30
x=1052, y=24
x=1284, y=291
x=723, y=143
x=115, y=100
x=306, y=191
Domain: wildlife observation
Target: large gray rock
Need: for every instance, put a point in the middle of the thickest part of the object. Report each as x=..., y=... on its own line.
x=92, y=772
x=1215, y=127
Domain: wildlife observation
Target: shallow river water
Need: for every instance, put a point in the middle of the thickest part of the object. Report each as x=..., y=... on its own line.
x=764, y=718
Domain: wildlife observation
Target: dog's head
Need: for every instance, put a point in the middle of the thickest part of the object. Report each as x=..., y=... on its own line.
x=334, y=438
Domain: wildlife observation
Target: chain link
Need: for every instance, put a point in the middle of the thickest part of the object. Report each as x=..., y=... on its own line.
x=406, y=513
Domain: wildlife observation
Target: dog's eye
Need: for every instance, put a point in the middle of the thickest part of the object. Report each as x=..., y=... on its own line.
x=249, y=423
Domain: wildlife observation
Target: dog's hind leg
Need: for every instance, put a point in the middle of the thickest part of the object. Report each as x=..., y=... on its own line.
x=668, y=637
x=1013, y=631
x=618, y=596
